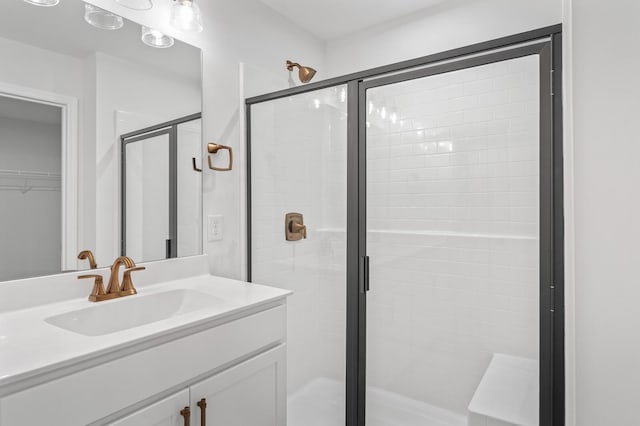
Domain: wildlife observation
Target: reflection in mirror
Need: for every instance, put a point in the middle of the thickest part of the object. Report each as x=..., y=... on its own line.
x=68, y=93
x=30, y=203
x=161, y=206
x=148, y=194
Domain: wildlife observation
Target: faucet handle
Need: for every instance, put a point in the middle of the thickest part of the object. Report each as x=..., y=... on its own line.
x=127, y=283
x=98, y=293
x=299, y=228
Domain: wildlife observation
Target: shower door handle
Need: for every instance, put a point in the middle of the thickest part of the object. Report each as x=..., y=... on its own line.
x=364, y=274
x=167, y=249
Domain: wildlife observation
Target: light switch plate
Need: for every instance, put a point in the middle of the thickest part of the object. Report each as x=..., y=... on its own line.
x=215, y=227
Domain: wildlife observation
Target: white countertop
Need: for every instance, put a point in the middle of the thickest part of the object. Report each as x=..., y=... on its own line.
x=32, y=348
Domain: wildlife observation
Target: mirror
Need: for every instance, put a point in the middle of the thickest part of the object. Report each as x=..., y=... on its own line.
x=97, y=135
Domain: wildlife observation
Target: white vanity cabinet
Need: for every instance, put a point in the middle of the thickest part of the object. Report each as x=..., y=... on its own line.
x=165, y=412
x=251, y=393
x=235, y=361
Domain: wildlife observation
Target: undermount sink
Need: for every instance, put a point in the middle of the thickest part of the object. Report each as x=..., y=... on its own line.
x=133, y=311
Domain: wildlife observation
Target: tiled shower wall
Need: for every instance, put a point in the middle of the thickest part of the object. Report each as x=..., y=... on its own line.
x=298, y=152
x=453, y=229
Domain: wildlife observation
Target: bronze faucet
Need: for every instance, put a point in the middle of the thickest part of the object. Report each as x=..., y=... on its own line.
x=87, y=254
x=114, y=289
x=114, y=281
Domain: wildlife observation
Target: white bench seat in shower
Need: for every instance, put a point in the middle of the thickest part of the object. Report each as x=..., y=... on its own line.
x=507, y=394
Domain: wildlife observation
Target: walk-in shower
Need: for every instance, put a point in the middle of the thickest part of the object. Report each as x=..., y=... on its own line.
x=428, y=287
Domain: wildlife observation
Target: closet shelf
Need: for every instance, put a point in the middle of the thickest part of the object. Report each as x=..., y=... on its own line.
x=26, y=181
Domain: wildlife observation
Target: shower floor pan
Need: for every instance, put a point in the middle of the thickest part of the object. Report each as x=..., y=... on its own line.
x=321, y=403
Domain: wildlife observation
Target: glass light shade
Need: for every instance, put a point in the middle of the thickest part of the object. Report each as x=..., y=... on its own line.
x=101, y=18
x=186, y=16
x=155, y=38
x=43, y=2
x=136, y=4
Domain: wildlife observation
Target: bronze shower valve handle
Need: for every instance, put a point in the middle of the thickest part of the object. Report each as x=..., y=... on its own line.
x=299, y=228
x=294, y=227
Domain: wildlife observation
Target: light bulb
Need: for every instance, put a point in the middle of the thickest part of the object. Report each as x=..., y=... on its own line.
x=155, y=38
x=186, y=16
x=43, y=2
x=101, y=18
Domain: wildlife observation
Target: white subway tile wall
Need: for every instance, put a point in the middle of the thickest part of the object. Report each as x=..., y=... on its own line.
x=299, y=151
x=453, y=228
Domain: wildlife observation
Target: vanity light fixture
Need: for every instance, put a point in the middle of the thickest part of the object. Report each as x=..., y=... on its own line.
x=155, y=38
x=101, y=18
x=45, y=3
x=186, y=16
x=136, y=4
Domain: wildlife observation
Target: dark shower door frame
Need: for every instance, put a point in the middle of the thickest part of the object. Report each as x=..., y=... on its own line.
x=169, y=128
x=547, y=44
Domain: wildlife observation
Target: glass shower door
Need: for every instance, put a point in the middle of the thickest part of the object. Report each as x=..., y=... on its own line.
x=453, y=226
x=147, y=221
x=298, y=235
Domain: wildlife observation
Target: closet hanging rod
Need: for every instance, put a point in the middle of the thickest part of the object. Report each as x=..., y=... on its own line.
x=29, y=174
x=26, y=189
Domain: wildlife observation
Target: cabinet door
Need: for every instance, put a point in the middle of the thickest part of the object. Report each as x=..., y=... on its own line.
x=252, y=393
x=163, y=413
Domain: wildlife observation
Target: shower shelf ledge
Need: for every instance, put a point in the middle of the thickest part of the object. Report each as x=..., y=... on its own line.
x=434, y=234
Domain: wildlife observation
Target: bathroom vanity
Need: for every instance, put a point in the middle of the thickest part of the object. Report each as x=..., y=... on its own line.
x=189, y=348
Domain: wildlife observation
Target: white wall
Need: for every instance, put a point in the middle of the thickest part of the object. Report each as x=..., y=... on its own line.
x=606, y=65
x=445, y=26
x=190, y=225
x=64, y=73
x=569, y=215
